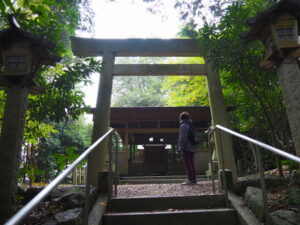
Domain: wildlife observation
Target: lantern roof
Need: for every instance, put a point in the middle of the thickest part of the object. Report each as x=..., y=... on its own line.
x=260, y=23
x=42, y=47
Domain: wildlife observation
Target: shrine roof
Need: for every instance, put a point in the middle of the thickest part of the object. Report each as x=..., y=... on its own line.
x=141, y=123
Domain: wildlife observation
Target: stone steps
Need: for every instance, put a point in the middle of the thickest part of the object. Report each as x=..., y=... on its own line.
x=165, y=203
x=221, y=216
x=177, y=210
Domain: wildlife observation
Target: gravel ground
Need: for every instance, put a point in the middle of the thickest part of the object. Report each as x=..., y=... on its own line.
x=164, y=190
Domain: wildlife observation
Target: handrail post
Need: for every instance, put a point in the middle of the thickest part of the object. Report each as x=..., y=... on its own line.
x=109, y=171
x=116, y=167
x=219, y=135
x=74, y=177
x=87, y=192
x=209, y=136
x=263, y=185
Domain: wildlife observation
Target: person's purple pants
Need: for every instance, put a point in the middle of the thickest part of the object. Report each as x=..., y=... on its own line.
x=188, y=158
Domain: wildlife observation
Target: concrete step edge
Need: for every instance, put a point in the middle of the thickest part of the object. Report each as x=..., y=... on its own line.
x=172, y=197
x=174, y=211
x=158, y=177
x=159, y=181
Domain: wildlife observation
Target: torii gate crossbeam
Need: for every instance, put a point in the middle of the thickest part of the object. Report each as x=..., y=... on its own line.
x=159, y=69
x=136, y=47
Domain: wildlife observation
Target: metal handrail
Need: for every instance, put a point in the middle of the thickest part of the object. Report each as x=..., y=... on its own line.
x=255, y=143
x=261, y=144
x=22, y=213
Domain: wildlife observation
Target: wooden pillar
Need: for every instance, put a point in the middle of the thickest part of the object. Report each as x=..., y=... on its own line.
x=101, y=117
x=289, y=77
x=126, y=152
x=130, y=153
x=10, y=146
x=219, y=116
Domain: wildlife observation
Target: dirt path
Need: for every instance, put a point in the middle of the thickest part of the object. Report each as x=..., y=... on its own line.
x=163, y=190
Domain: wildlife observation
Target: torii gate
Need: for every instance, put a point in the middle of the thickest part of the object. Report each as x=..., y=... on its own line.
x=110, y=48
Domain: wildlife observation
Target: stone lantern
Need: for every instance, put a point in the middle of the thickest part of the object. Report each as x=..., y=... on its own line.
x=278, y=29
x=21, y=55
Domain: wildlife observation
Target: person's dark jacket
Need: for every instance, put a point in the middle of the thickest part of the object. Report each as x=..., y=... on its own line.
x=184, y=144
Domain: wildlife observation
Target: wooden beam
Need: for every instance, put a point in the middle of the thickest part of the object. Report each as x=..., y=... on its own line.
x=148, y=130
x=159, y=69
x=136, y=47
x=126, y=151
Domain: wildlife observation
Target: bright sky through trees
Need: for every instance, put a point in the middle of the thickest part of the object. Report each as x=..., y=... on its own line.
x=125, y=19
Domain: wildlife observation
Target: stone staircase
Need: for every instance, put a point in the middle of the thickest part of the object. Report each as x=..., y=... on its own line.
x=178, y=210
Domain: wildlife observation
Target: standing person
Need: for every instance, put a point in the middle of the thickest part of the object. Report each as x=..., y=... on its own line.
x=186, y=147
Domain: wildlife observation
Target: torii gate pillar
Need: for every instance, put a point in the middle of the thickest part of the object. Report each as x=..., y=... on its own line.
x=101, y=117
x=219, y=116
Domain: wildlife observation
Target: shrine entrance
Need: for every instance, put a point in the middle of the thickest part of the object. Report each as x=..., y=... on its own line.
x=111, y=48
x=155, y=161
x=149, y=136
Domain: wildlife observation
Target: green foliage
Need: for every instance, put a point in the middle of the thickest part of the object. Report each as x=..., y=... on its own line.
x=6, y=5
x=35, y=131
x=136, y=90
x=62, y=147
x=159, y=91
x=54, y=19
x=254, y=92
x=290, y=164
x=63, y=160
x=62, y=97
x=200, y=11
x=185, y=90
x=31, y=172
